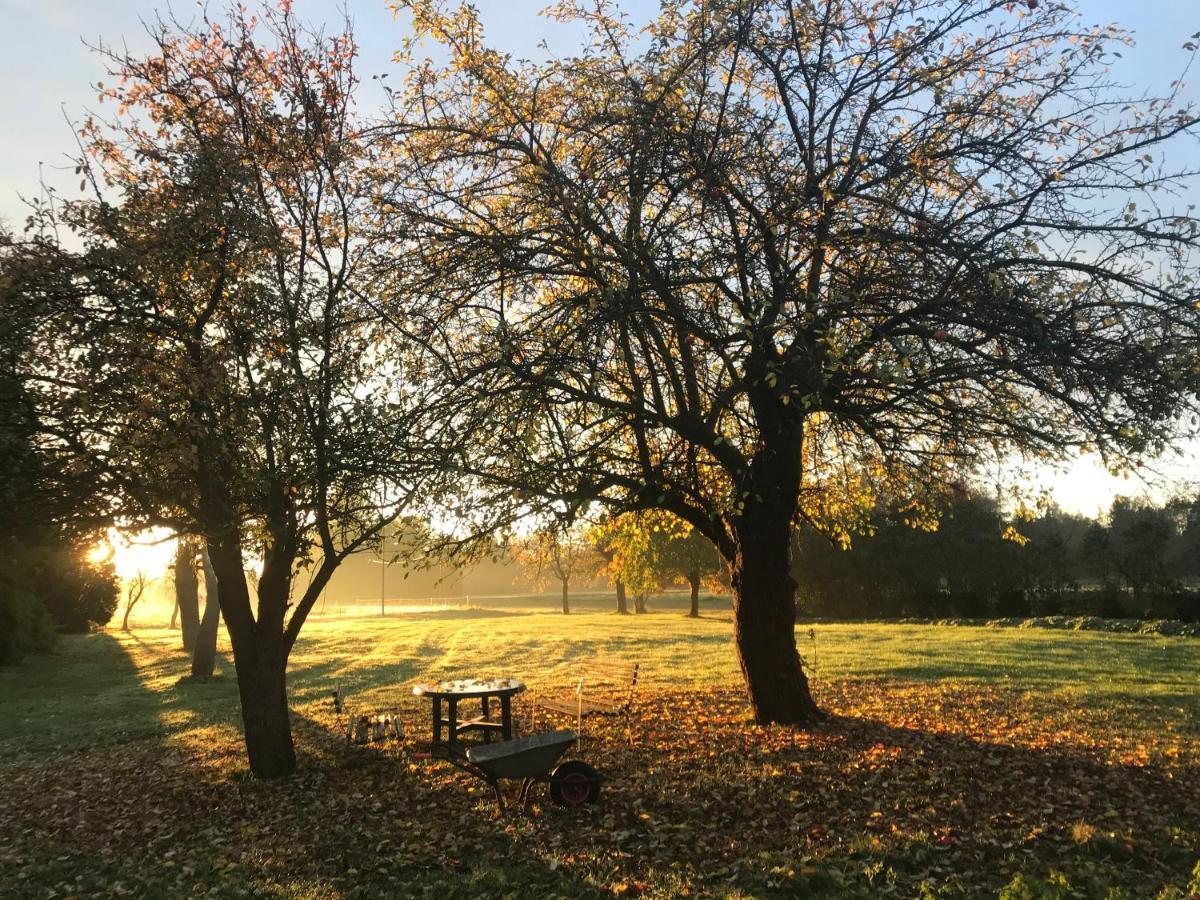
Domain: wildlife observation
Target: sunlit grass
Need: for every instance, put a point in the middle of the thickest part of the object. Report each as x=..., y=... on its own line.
x=111, y=687
x=988, y=752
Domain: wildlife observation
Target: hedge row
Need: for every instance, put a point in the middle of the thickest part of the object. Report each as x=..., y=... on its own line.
x=1165, y=627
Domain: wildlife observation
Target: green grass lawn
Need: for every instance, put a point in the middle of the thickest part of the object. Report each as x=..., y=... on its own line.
x=922, y=714
x=115, y=686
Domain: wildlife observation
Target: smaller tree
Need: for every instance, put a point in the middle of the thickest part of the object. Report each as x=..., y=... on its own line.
x=204, y=655
x=216, y=357
x=134, y=593
x=604, y=553
x=554, y=553
x=1139, y=534
x=187, y=596
x=636, y=551
x=689, y=555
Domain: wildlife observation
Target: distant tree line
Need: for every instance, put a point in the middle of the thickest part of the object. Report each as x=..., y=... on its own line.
x=1139, y=560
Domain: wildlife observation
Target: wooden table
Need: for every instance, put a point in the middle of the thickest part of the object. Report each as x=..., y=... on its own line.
x=452, y=692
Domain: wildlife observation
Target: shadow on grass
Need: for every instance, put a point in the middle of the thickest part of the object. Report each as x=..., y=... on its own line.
x=91, y=692
x=699, y=800
x=860, y=798
x=135, y=810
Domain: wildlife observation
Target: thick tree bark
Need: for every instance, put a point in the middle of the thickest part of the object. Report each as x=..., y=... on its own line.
x=187, y=593
x=204, y=656
x=622, y=603
x=694, y=583
x=260, y=657
x=764, y=615
x=566, y=602
x=262, y=685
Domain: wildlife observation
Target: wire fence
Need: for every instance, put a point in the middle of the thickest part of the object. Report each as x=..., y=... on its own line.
x=590, y=601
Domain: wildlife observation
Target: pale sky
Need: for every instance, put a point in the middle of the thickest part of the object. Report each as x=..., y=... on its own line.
x=49, y=73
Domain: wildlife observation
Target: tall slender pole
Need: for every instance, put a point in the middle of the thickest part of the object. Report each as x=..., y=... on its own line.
x=382, y=576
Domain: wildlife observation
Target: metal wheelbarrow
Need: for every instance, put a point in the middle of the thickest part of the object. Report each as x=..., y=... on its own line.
x=532, y=759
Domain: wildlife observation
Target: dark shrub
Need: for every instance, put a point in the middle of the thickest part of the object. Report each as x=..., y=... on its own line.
x=1012, y=603
x=968, y=604
x=64, y=585
x=25, y=626
x=1109, y=602
x=1045, y=604
x=1179, y=604
x=1189, y=606
x=76, y=593
x=926, y=605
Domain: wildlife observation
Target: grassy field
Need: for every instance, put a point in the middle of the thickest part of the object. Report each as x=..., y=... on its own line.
x=957, y=762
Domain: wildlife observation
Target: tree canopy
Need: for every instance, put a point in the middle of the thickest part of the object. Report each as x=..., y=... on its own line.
x=207, y=356
x=751, y=268
x=761, y=258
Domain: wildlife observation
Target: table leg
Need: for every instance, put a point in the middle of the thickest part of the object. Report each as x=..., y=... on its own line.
x=452, y=715
x=506, y=718
x=437, y=721
x=485, y=702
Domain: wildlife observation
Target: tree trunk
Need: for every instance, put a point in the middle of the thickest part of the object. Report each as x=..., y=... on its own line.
x=262, y=685
x=622, y=604
x=187, y=593
x=257, y=636
x=204, y=657
x=174, y=615
x=764, y=615
x=639, y=602
x=694, y=583
x=260, y=660
x=566, y=603
x=131, y=599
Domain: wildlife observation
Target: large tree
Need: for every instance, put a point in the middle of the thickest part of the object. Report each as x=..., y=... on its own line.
x=221, y=371
x=748, y=262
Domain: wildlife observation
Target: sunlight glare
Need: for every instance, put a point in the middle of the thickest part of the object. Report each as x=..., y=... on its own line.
x=149, y=552
x=100, y=553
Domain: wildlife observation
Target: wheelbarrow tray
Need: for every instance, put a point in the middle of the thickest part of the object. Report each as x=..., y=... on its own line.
x=527, y=757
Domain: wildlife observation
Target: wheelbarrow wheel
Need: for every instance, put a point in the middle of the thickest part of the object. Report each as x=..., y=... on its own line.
x=574, y=783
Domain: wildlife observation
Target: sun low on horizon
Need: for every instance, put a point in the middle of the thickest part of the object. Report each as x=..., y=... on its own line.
x=148, y=553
